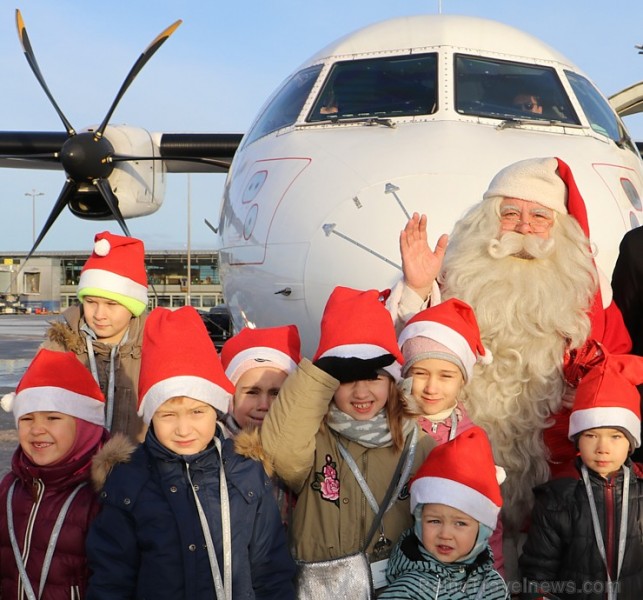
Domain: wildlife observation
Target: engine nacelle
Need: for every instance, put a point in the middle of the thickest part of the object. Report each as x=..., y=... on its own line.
x=139, y=185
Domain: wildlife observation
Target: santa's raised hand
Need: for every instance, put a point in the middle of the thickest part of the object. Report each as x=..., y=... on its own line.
x=420, y=264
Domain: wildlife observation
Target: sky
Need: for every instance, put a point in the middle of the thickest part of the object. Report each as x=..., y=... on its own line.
x=214, y=74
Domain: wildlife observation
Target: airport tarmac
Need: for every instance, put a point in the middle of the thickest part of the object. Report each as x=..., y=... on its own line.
x=20, y=336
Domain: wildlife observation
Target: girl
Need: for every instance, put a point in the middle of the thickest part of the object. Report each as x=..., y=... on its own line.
x=337, y=433
x=257, y=362
x=59, y=412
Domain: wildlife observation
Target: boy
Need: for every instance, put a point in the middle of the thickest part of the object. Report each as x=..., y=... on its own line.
x=585, y=534
x=186, y=517
x=106, y=330
x=455, y=500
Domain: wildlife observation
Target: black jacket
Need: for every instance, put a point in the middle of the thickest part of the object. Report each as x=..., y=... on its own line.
x=561, y=553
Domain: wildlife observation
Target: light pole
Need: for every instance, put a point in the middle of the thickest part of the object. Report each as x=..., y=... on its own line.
x=33, y=193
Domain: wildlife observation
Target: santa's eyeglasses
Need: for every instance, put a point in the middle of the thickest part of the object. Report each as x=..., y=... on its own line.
x=539, y=221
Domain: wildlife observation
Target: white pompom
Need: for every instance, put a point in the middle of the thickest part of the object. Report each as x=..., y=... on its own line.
x=487, y=359
x=501, y=474
x=7, y=401
x=102, y=247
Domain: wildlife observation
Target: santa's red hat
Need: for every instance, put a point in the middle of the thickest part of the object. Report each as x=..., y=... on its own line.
x=453, y=329
x=58, y=382
x=356, y=324
x=179, y=359
x=461, y=473
x=116, y=270
x=275, y=347
x=607, y=397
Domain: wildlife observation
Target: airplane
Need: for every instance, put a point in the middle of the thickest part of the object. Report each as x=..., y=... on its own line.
x=412, y=114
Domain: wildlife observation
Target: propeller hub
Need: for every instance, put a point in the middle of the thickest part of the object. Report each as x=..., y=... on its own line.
x=83, y=157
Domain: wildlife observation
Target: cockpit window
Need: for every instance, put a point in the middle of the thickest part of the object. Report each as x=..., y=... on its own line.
x=394, y=86
x=510, y=90
x=599, y=113
x=286, y=104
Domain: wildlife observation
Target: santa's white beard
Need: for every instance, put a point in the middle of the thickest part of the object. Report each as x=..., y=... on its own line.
x=528, y=310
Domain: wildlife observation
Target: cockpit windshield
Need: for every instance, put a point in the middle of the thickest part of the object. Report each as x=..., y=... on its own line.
x=510, y=90
x=394, y=86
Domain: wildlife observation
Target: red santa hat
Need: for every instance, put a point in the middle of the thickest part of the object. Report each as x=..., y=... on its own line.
x=461, y=473
x=275, y=347
x=607, y=397
x=356, y=324
x=448, y=331
x=179, y=359
x=116, y=270
x=57, y=381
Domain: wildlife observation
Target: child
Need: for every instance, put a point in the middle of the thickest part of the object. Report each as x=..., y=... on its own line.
x=186, y=517
x=257, y=362
x=440, y=346
x=455, y=501
x=106, y=330
x=585, y=534
x=45, y=500
x=340, y=420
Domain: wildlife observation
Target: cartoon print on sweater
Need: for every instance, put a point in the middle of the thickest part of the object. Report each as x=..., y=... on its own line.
x=326, y=481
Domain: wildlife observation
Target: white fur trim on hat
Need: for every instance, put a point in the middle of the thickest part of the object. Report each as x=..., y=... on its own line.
x=112, y=282
x=438, y=490
x=533, y=180
x=444, y=335
x=257, y=357
x=50, y=398
x=605, y=416
x=190, y=386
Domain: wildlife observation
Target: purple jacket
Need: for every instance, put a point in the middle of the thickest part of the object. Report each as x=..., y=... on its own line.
x=38, y=496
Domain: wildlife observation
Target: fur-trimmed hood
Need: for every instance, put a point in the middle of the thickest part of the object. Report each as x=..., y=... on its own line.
x=248, y=444
x=62, y=335
x=117, y=450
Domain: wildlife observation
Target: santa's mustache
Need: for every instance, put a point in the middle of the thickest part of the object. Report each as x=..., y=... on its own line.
x=520, y=245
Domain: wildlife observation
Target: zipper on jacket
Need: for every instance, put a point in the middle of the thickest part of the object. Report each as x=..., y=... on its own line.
x=610, y=526
x=38, y=492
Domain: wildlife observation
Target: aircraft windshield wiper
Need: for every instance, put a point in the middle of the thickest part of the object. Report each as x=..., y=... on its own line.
x=366, y=120
x=513, y=122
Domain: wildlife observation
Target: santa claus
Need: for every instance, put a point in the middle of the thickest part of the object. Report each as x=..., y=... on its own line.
x=522, y=259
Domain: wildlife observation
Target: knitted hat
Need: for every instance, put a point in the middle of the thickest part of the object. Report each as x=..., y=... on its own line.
x=276, y=347
x=461, y=474
x=534, y=180
x=116, y=270
x=57, y=381
x=179, y=359
x=450, y=332
x=358, y=330
x=607, y=397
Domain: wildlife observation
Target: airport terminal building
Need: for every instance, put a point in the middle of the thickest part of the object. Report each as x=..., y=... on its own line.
x=47, y=282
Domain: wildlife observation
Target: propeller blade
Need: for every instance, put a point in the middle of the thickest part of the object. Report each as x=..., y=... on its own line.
x=157, y=42
x=196, y=159
x=65, y=195
x=112, y=202
x=31, y=59
x=42, y=156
